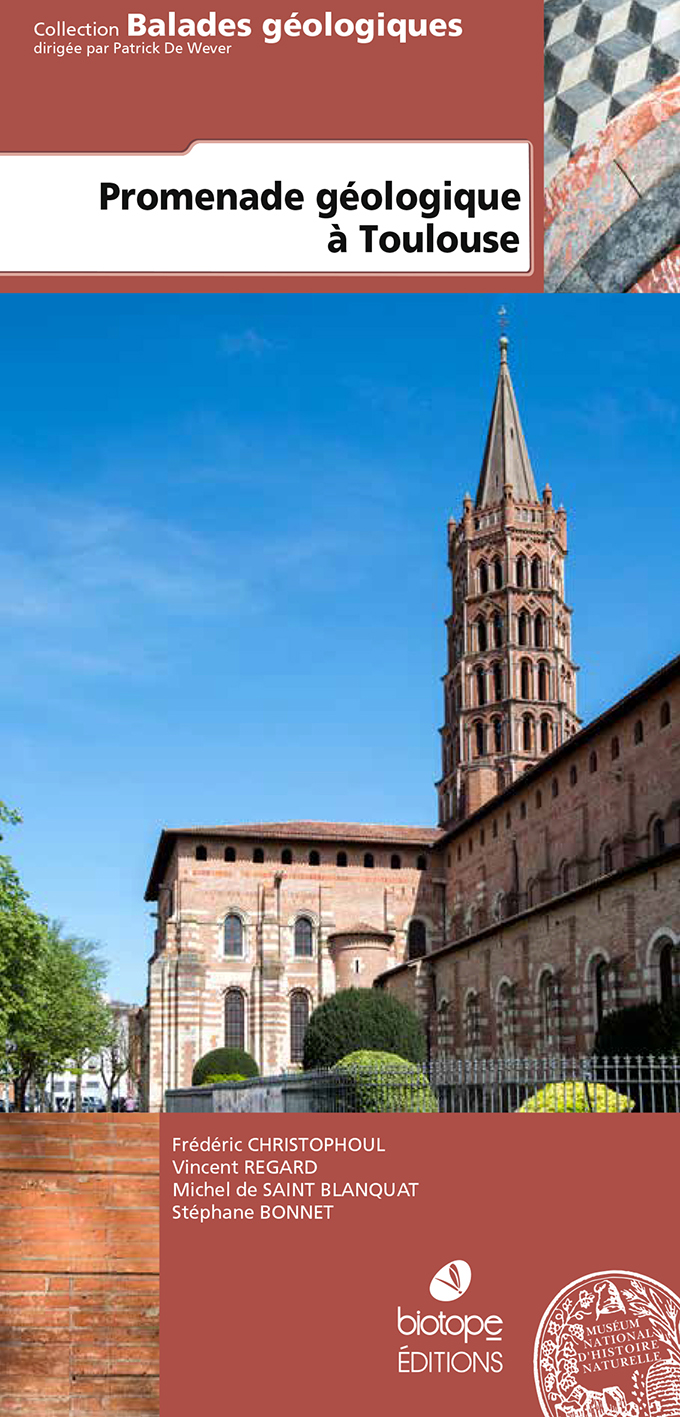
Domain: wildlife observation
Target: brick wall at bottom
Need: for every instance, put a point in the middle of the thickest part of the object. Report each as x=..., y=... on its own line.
x=79, y=1266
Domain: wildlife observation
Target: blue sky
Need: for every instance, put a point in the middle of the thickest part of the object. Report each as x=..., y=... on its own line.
x=223, y=555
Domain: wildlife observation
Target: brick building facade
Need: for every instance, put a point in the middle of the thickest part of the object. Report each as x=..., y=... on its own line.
x=547, y=894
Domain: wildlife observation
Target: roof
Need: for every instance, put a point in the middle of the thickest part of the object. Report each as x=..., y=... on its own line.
x=368, y=833
x=506, y=458
x=361, y=928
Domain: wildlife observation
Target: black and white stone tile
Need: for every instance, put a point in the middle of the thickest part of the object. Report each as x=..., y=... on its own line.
x=600, y=57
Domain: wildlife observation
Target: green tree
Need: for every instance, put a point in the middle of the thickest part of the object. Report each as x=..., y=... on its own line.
x=115, y=1055
x=22, y=941
x=62, y=1018
x=354, y=1019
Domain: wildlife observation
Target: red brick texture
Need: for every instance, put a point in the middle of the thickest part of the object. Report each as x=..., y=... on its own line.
x=573, y=870
x=79, y=1266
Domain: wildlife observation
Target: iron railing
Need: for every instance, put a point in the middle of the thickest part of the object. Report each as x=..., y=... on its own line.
x=488, y=1085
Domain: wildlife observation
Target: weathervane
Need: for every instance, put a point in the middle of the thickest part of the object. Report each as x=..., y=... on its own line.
x=503, y=341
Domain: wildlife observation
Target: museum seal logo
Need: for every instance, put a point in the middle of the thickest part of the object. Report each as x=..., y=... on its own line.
x=609, y=1346
x=451, y=1281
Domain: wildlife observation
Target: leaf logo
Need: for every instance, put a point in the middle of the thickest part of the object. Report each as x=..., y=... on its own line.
x=451, y=1281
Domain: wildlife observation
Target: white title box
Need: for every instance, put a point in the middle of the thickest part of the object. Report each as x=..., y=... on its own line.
x=52, y=217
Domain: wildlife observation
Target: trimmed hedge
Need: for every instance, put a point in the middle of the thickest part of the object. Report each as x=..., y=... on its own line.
x=571, y=1097
x=222, y=1077
x=383, y=1082
x=224, y=1061
x=640, y=1030
x=356, y=1019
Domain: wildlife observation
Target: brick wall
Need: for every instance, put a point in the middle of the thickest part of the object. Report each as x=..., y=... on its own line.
x=536, y=907
x=79, y=1266
x=189, y=974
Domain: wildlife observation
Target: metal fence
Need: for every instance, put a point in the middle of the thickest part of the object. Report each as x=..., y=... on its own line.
x=487, y=1085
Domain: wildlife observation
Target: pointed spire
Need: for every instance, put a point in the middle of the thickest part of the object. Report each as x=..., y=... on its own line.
x=506, y=459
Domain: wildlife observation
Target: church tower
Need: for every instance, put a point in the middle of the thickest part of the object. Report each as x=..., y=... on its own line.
x=510, y=686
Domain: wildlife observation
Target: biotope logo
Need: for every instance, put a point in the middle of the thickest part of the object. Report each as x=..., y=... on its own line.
x=451, y=1281
x=478, y=1337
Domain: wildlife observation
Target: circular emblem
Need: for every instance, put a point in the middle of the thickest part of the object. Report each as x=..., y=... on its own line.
x=609, y=1346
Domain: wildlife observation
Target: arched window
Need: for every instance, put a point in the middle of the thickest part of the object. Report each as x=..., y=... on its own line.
x=658, y=836
x=563, y=877
x=506, y=1020
x=536, y=572
x=304, y=938
x=472, y=1023
x=369, y=863
x=665, y=715
x=522, y=627
x=233, y=937
x=286, y=856
x=341, y=858
x=201, y=853
x=258, y=855
x=543, y=681
x=314, y=858
x=539, y=631
x=545, y=735
x=526, y=679
x=483, y=577
x=638, y=732
x=667, y=972
x=615, y=749
x=482, y=636
x=235, y=1018
x=497, y=630
x=606, y=858
x=421, y=863
x=539, y=800
x=229, y=853
x=521, y=576
x=498, y=573
x=549, y=1009
x=555, y=787
x=444, y=1028
x=480, y=746
x=497, y=735
x=592, y=762
x=573, y=775
x=599, y=990
x=299, y=1018
x=527, y=733
x=480, y=680
x=395, y=862
x=416, y=940
x=497, y=675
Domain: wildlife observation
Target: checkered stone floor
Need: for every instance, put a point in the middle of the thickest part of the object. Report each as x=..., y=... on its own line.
x=601, y=56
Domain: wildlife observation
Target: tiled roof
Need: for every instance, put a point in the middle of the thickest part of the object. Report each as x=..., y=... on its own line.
x=320, y=831
x=360, y=928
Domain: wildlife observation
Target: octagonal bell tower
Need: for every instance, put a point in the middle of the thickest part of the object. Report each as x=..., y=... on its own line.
x=510, y=685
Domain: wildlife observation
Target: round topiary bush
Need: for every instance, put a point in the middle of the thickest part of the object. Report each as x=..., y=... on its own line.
x=572, y=1097
x=361, y=1018
x=640, y=1030
x=224, y=1061
x=383, y=1082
